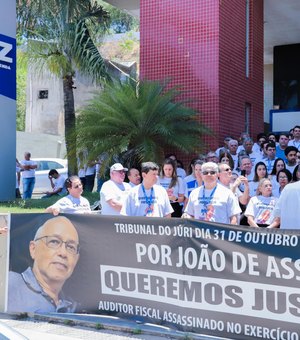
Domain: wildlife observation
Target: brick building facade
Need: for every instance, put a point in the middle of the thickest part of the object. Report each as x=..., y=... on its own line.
x=214, y=51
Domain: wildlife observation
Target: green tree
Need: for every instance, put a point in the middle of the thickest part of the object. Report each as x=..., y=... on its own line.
x=119, y=21
x=21, y=90
x=61, y=33
x=135, y=122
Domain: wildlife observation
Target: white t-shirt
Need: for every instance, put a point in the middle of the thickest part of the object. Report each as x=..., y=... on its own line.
x=288, y=206
x=90, y=170
x=60, y=183
x=253, y=188
x=72, y=205
x=269, y=164
x=256, y=148
x=179, y=188
x=17, y=171
x=222, y=205
x=111, y=190
x=220, y=150
x=235, y=160
x=137, y=203
x=255, y=157
x=294, y=143
x=181, y=173
x=275, y=186
x=28, y=173
x=290, y=168
x=262, y=209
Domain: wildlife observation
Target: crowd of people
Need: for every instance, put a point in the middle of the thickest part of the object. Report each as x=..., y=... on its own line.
x=255, y=184
x=239, y=183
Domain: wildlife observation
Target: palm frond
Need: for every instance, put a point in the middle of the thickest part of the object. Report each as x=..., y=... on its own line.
x=138, y=122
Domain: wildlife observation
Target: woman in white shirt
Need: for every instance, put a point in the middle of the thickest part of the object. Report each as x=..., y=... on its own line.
x=174, y=186
x=73, y=203
x=260, y=209
x=260, y=172
x=279, y=164
x=284, y=177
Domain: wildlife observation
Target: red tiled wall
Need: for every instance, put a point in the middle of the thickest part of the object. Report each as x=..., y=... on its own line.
x=235, y=88
x=199, y=46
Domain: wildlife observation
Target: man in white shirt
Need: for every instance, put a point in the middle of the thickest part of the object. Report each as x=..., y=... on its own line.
x=291, y=157
x=114, y=191
x=248, y=147
x=246, y=171
x=28, y=175
x=57, y=182
x=271, y=156
x=260, y=138
x=212, y=201
x=233, y=146
x=224, y=147
x=296, y=141
x=134, y=177
x=148, y=198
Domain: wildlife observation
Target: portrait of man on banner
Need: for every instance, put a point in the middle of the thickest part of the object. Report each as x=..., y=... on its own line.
x=54, y=251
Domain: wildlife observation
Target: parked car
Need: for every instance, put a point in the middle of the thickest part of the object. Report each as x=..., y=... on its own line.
x=42, y=182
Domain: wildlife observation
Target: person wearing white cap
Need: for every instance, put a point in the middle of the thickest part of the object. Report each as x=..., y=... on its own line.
x=114, y=191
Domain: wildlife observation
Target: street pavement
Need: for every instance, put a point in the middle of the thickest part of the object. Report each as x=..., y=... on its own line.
x=74, y=326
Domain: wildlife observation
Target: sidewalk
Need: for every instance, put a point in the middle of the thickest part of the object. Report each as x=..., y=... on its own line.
x=78, y=326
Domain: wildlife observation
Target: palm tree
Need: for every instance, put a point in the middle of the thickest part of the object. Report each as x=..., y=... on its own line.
x=138, y=122
x=61, y=33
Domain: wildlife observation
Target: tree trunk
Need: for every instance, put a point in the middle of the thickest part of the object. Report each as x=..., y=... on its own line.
x=70, y=138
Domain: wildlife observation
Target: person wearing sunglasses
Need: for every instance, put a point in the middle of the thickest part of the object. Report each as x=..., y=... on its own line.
x=55, y=253
x=73, y=203
x=212, y=201
x=114, y=191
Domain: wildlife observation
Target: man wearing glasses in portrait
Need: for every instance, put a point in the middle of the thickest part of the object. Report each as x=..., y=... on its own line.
x=212, y=201
x=55, y=253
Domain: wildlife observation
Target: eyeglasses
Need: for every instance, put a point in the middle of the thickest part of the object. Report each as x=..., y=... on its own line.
x=120, y=171
x=77, y=186
x=209, y=172
x=282, y=177
x=54, y=242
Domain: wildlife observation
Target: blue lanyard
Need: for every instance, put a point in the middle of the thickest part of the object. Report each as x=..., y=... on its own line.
x=149, y=200
x=207, y=200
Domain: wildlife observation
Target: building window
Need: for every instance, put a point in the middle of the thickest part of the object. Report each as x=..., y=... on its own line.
x=43, y=94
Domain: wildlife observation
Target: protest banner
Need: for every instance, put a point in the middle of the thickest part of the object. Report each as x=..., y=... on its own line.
x=207, y=278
